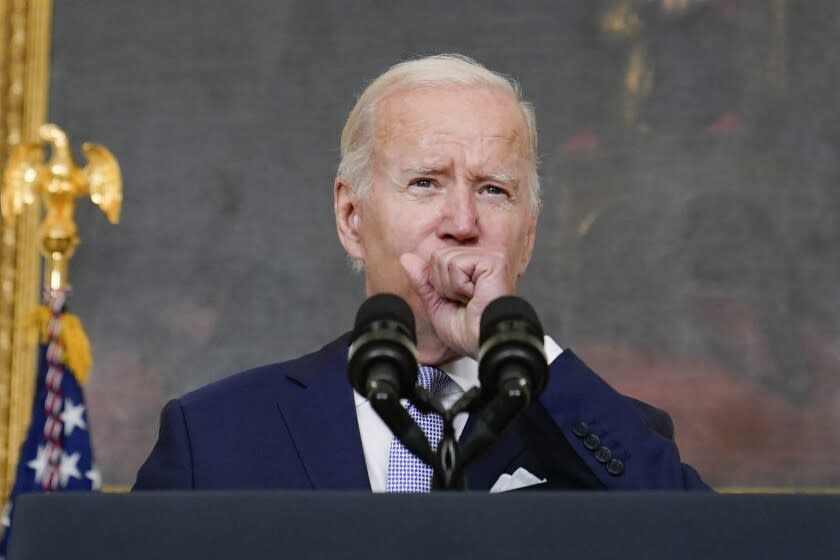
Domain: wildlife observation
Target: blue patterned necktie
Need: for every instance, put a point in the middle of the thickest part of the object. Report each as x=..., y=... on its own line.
x=407, y=473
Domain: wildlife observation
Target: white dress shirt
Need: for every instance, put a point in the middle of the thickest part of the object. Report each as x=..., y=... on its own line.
x=376, y=437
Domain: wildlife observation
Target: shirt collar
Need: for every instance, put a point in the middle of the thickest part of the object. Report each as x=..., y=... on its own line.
x=464, y=370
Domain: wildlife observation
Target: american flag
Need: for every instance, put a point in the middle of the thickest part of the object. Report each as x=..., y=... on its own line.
x=56, y=455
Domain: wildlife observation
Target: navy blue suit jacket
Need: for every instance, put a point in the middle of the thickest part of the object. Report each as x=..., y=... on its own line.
x=293, y=426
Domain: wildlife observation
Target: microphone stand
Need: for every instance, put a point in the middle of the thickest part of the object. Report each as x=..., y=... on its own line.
x=449, y=463
x=512, y=363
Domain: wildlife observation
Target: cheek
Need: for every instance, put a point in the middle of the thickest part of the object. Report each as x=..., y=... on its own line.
x=409, y=226
x=407, y=237
x=393, y=233
x=515, y=237
x=505, y=228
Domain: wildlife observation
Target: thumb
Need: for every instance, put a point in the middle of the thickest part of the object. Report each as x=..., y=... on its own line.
x=417, y=271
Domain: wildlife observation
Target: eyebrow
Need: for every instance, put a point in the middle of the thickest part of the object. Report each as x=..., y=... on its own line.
x=422, y=170
x=504, y=178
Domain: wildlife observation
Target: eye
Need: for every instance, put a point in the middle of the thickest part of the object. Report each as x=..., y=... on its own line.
x=422, y=183
x=493, y=190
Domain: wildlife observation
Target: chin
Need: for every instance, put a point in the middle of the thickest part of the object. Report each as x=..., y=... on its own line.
x=432, y=351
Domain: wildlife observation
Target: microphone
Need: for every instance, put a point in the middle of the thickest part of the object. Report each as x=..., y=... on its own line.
x=382, y=366
x=511, y=356
x=383, y=353
x=512, y=368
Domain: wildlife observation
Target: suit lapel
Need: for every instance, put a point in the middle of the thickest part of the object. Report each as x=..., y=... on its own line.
x=319, y=411
x=321, y=418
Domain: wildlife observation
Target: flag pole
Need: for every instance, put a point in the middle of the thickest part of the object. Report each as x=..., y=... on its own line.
x=56, y=454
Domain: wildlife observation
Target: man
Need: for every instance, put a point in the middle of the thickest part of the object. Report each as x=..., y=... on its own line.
x=436, y=200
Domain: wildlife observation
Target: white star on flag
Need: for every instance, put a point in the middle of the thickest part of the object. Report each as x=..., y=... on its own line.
x=72, y=417
x=39, y=464
x=95, y=478
x=68, y=468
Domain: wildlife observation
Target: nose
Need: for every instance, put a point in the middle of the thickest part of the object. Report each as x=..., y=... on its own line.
x=459, y=216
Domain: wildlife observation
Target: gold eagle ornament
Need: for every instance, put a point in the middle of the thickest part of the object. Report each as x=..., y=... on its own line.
x=59, y=182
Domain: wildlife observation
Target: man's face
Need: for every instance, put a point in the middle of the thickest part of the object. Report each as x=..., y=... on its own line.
x=449, y=168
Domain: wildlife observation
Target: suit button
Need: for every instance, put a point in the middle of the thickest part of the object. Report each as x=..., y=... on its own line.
x=591, y=442
x=581, y=429
x=603, y=454
x=615, y=467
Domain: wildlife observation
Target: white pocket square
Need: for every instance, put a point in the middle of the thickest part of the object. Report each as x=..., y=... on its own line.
x=519, y=479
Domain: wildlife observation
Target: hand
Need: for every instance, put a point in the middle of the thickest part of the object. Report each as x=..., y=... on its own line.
x=454, y=287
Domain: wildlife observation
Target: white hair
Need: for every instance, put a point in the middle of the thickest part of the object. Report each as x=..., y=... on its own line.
x=440, y=70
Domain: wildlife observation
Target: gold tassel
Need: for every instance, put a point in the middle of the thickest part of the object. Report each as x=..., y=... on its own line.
x=74, y=341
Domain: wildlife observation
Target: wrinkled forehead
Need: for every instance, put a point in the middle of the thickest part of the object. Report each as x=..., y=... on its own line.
x=420, y=116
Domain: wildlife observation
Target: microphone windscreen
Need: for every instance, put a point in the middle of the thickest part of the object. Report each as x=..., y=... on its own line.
x=509, y=308
x=384, y=307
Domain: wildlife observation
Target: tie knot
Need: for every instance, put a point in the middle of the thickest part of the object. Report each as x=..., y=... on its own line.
x=433, y=379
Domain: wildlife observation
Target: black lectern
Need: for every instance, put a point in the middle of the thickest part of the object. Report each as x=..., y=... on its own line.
x=445, y=525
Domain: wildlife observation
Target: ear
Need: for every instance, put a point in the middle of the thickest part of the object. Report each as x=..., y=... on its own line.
x=529, y=245
x=348, y=218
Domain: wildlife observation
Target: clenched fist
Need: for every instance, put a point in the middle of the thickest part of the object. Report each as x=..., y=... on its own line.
x=455, y=286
